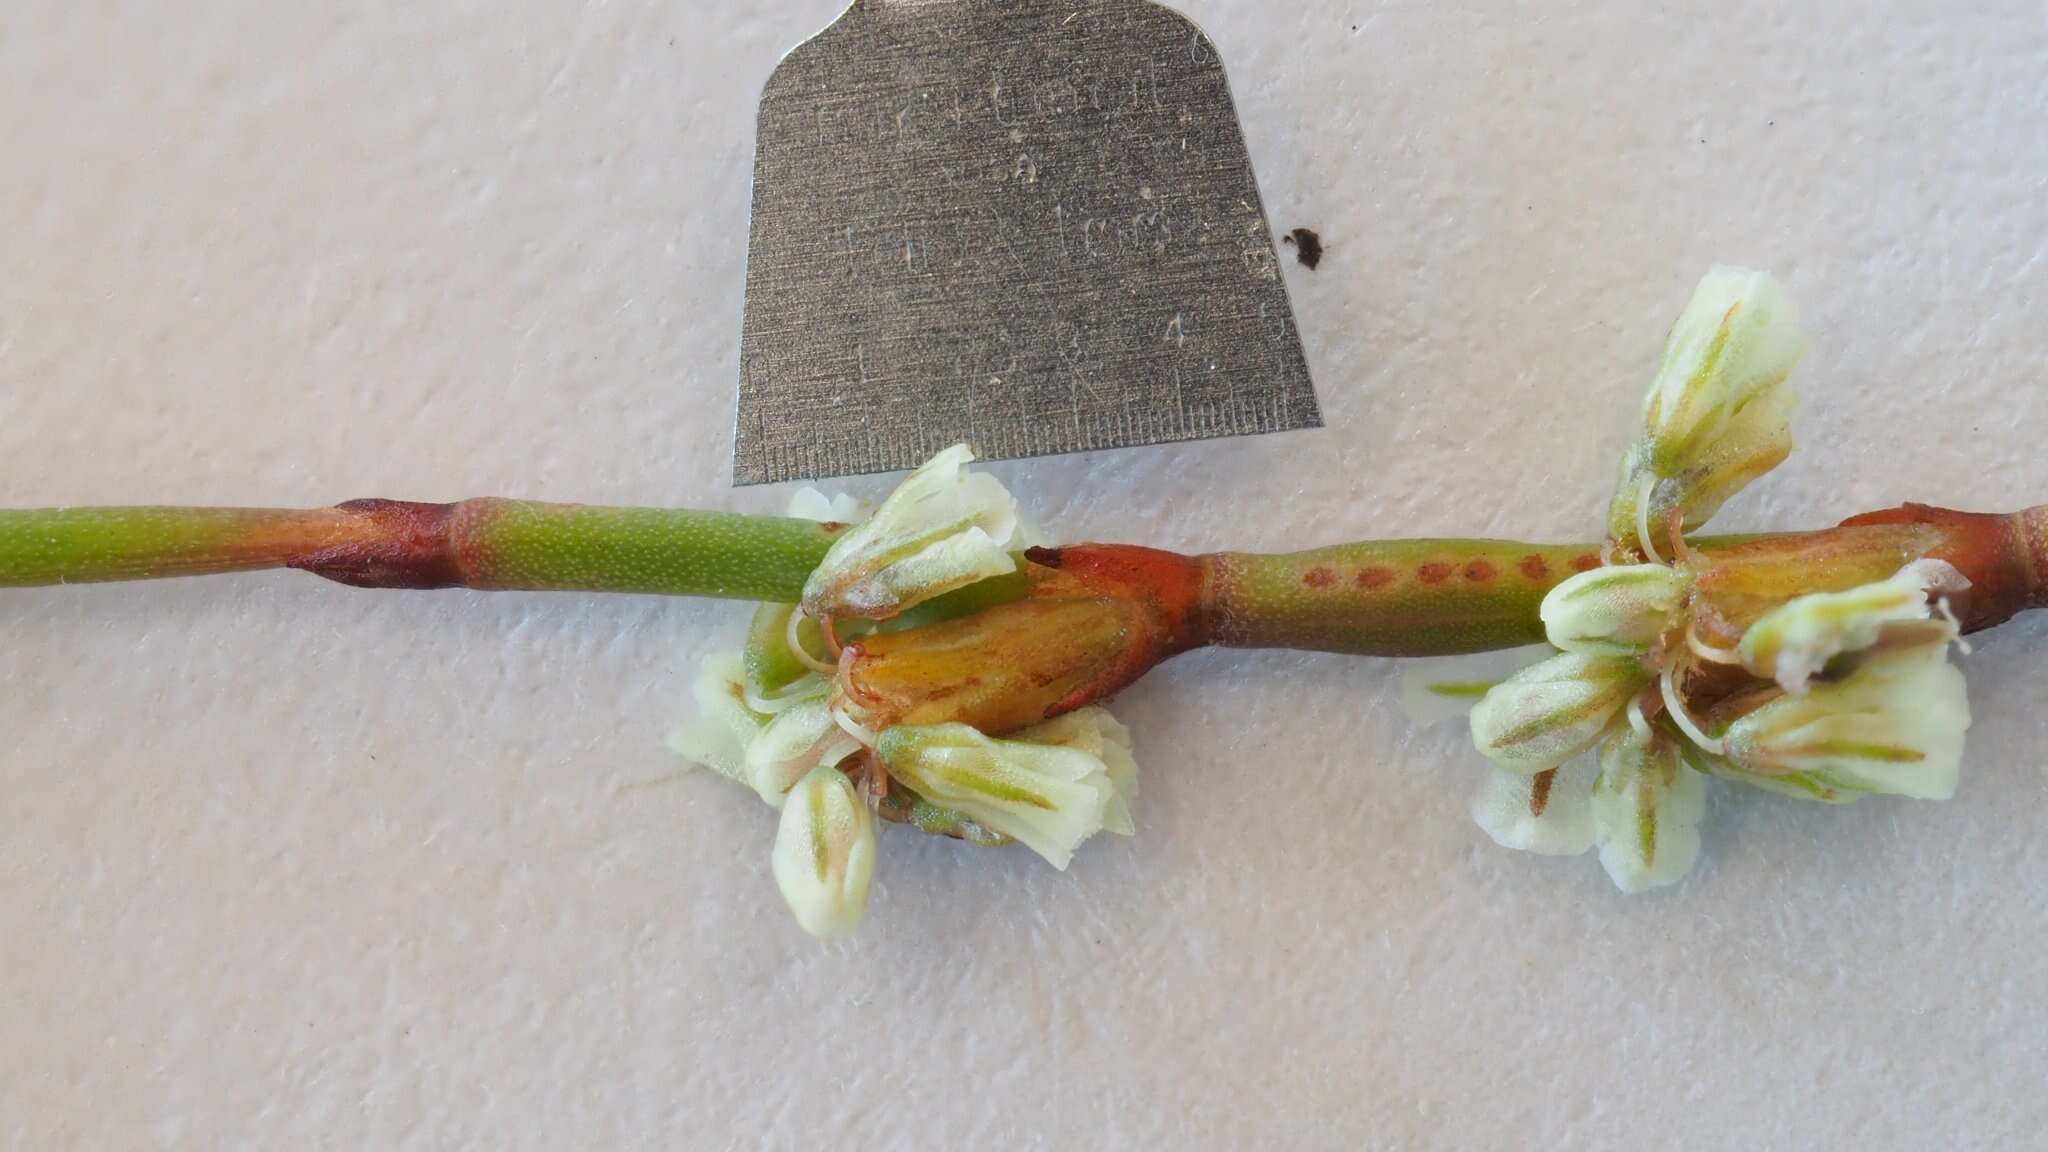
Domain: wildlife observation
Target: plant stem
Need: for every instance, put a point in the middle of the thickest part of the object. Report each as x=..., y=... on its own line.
x=1381, y=598
x=494, y=544
x=1390, y=598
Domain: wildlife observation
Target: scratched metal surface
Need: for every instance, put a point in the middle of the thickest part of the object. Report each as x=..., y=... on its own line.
x=1026, y=224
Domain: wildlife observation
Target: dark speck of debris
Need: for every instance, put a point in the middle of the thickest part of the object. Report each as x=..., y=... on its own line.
x=1308, y=247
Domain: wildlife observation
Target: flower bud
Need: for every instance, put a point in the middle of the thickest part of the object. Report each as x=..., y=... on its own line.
x=1894, y=726
x=1794, y=642
x=1546, y=714
x=943, y=528
x=1048, y=797
x=825, y=853
x=1618, y=611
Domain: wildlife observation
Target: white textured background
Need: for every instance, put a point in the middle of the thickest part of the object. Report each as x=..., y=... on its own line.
x=284, y=865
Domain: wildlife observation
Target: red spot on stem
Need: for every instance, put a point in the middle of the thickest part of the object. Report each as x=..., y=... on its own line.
x=1319, y=577
x=1586, y=562
x=1373, y=578
x=1534, y=568
x=1433, y=573
x=1479, y=571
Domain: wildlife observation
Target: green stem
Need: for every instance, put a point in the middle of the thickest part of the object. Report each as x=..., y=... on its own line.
x=497, y=544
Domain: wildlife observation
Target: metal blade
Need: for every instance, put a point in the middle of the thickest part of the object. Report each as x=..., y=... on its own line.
x=1026, y=224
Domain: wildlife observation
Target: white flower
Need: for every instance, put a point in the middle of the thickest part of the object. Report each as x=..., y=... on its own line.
x=767, y=752
x=825, y=853
x=1550, y=813
x=1718, y=415
x=1792, y=643
x=1647, y=807
x=943, y=528
x=1894, y=726
x=800, y=738
x=1049, y=797
x=1094, y=731
x=1737, y=340
x=724, y=726
x=1864, y=700
x=1617, y=611
x=1544, y=715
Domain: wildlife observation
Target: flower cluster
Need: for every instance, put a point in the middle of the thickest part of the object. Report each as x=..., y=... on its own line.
x=786, y=719
x=1825, y=692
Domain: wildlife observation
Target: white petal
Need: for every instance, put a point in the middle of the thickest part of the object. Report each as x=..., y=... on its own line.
x=1094, y=731
x=824, y=853
x=718, y=736
x=811, y=504
x=1550, y=814
x=1757, y=439
x=797, y=740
